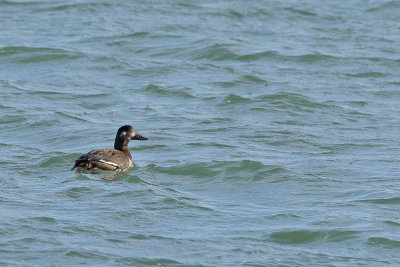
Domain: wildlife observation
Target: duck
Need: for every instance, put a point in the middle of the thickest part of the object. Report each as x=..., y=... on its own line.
x=117, y=159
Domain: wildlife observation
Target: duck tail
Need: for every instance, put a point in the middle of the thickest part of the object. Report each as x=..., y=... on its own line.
x=81, y=165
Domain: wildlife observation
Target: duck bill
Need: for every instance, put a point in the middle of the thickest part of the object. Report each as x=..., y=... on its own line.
x=139, y=137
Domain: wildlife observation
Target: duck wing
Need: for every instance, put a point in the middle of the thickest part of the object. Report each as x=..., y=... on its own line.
x=106, y=159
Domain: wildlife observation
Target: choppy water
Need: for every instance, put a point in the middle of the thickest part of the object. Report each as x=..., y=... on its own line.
x=273, y=126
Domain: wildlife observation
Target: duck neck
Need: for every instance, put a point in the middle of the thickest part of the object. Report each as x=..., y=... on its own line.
x=126, y=151
x=122, y=146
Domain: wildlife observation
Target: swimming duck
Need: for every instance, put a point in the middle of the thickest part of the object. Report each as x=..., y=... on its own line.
x=117, y=159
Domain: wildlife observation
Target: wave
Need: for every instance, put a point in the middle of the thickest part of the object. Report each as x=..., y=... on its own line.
x=148, y=261
x=151, y=88
x=86, y=254
x=150, y=147
x=87, y=7
x=63, y=160
x=77, y=191
x=259, y=55
x=392, y=223
x=26, y=54
x=224, y=52
x=221, y=52
x=12, y=119
x=280, y=100
x=391, y=6
x=243, y=80
x=233, y=170
x=209, y=144
x=392, y=200
x=367, y=75
x=235, y=99
x=309, y=236
x=119, y=40
x=214, y=52
x=384, y=242
x=21, y=3
x=40, y=219
x=300, y=12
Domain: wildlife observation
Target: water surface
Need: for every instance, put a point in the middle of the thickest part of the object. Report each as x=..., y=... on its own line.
x=273, y=131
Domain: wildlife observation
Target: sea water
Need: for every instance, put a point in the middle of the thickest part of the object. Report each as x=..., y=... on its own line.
x=273, y=132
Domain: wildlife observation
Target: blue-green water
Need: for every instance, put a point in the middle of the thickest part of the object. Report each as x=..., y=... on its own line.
x=273, y=126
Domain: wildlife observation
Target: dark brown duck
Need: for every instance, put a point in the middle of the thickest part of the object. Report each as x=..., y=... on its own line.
x=117, y=159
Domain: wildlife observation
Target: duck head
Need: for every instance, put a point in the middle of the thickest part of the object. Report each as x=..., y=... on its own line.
x=125, y=134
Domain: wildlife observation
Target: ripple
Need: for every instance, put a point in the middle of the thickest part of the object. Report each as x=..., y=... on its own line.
x=216, y=121
x=387, y=6
x=210, y=144
x=243, y=80
x=235, y=99
x=285, y=100
x=12, y=119
x=300, y=12
x=150, y=147
x=59, y=160
x=259, y=56
x=254, y=79
x=21, y=3
x=119, y=40
x=24, y=54
x=44, y=219
x=282, y=216
x=194, y=169
x=392, y=223
x=184, y=203
x=256, y=171
x=77, y=191
x=150, y=237
x=151, y=88
x=215, y=52
x=236, y=170
x=393, y=200
x=68, y=115
x=33, y=241
x=86, y=254
x=282, y=101
x=307, y=236
x=149, y=261
x=311, y=58
x=136, y=180
x=130, y=193
x=87, y=7
x=383, y=242
x=101, y=175
x=220, y=52
x=367, y=75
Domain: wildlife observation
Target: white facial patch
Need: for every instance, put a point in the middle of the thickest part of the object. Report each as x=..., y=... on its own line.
x=122, y=135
